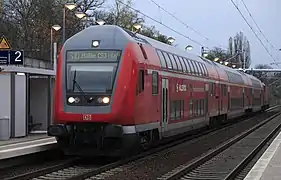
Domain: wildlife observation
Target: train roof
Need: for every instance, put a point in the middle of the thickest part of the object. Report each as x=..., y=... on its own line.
x=119, y=37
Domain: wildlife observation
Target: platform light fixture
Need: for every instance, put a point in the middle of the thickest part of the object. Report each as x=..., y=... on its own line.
x=56, y=27
x=205, y=54
x=189, y=48
x=216, y=59
x=226, y=63
x=233, y=65
x=137, y=26
x=80, y=15
x=100, y=22
x=171, y=39
x=70, y=6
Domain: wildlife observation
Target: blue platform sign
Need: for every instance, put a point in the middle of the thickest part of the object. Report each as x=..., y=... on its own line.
x=11, y=57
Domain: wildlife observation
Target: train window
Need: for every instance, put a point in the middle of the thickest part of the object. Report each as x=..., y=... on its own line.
x=188, y=66
x=192, y=68
x=190, y=108
x=175, y=66
x=205, y=68
x=182, y=63
x=196, y=108
x=173, y=110
x=168, y=61
x=196, y=68
x=185, y=66
x=182, y=108
x=200, y=69
x=162, y=59
x=140, y=85
x=178, y=62
x=155, y=81
x=178, y=109
x=212, y=88
x=202, y=107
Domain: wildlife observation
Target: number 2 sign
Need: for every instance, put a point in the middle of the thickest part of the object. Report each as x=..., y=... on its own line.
x=16, y=57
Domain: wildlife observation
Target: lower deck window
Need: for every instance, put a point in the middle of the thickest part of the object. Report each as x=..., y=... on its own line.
x=177, y=110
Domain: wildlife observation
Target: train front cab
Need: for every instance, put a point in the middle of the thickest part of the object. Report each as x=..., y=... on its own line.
x=94, y=112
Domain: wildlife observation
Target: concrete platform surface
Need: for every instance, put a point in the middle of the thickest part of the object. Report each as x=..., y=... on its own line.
x=26, y=145
x=268, y=167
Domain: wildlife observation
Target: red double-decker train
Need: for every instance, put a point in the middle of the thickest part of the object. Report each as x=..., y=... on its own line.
x=117, y=90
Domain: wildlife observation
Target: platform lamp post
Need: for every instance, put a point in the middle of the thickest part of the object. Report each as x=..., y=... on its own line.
x=50, y=82
x=188, y=48
x=69, y=6
x=56, y=28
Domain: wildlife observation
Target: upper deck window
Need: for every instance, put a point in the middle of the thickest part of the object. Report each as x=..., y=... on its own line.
x=183, y=64
x=175, y=66
x=168, y=61
x=162, y=59
x=178, y=62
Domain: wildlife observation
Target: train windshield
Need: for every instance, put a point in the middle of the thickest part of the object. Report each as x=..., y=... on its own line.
x=90, y=77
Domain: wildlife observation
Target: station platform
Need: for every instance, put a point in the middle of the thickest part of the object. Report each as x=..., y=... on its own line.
x=35, y=142
x=268, y=167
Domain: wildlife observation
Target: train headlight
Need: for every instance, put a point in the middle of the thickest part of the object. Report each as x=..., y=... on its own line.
x=71, y=99
x=105, y=100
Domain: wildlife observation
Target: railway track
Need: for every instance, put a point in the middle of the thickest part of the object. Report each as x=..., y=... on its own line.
x=229, y=159
x=73, y=169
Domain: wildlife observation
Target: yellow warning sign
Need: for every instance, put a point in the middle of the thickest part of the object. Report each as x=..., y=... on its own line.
x=4, y=44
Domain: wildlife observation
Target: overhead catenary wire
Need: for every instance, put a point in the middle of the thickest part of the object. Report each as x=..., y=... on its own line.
x=183, y=23
x=246, y=7
x=252, y=30
x=166, y=26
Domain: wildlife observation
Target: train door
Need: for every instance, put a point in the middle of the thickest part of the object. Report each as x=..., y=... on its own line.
x=165, y=104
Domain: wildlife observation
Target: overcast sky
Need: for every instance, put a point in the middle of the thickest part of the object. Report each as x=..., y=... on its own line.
x=218, y=20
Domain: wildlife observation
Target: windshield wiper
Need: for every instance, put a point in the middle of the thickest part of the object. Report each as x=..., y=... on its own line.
x=75, y=83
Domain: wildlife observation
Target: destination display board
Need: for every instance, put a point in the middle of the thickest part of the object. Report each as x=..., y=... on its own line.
x=93, y=55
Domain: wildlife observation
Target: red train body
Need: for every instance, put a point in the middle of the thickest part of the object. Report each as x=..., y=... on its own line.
x=116, y=90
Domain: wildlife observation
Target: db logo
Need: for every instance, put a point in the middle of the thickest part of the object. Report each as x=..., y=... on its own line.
x=87, y=117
